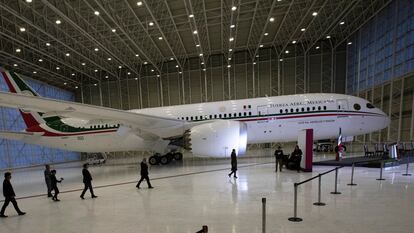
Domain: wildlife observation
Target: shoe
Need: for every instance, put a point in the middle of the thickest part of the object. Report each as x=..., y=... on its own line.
x=138, y=187
x=151, y=187
x=22, y=213
x=49, y=195
x=229, y=175
x=235, y=177
x=56, y=199
x=94, y=196
x=3, y=216
x=82, y=197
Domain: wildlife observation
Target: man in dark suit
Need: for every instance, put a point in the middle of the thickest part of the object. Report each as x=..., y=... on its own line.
x=144, y=174
x=87, y=181
x=233, y=163
x=47, y=180
x=9, y=195
x=279, y=158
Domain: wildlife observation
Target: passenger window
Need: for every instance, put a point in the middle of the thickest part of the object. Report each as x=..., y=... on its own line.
x=211, y=116
x=215, y=116
x=308, y=109
x=319, y=107
x=191, y=118
x=186, y=118
x=313, y=108
x=244, y=114
x=250, y=106
x=239, y=114
x=225, y=115
x=281, y=111
x=303, y=109
x=286, y=110
x=357, y=107
x=234, y=114
x=250, y=113
x=369, y=105
x=196, y=117
x=324, y=107
x=220, y=116
x=291, y=110
x=297, y=110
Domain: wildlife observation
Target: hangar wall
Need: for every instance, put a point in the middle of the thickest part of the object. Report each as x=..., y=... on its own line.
x=380, y=68
x=15, y=154
x=320, y=71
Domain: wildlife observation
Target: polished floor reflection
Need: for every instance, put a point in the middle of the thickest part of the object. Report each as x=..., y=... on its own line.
x=199, y=192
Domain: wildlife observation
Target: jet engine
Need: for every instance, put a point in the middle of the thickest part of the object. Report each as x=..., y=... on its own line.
x=217, y=139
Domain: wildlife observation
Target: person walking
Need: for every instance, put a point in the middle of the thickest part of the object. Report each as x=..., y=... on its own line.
x=279, y=158
x=87, y=181
x=54, y=182
x=9, y=196
x=233, y=163
x=47, y=180
x=144, y=174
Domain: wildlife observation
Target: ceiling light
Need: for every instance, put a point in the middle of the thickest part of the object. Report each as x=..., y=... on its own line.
x=95, y=84
x=261, y=46
x=18, y=50
x=22, y=29
x=266, y=34
x=328, y=37
x=76, y=87
x=145, y=62
x=28, y=1
x=201, y=54
x=317, y=47
x=96, y=13
x=113, y=30
x=342, y=23
x=171, y=59
x=34, y=72
x=176, y=66
x=58, y=68
x=231, y=39
x=65, y=83
x=109, y=58
x=160, y=38
x=254, y=63
x=136, y=78
x=58, y=21
x=67, y=54
x=257, y=55
x=180, y=72
x=195, y=32
x=96, y=71
x=139, y=3
x=232, y=26
x=287, y=51
x=303, y=29
x=281, y=59
x=40, y=60
x=96, y=49
x=228, y=66
x=83, y=63
x=204, y=69
x=234, y=8
x=158, y=75
x=229, y=58
x=136, y=55
x=294, y=42
x=47, y=44
x=73, y=74
x=191, y=16
x=152, y=70
x=349, y=43
x=106, y=76
x=15, y=65
x=230, y=50
x=151, y=24
x=272, y=19
x=314, y=13
x=119, y=67
x=129, y=73
x=197, y=45
x=202, y=63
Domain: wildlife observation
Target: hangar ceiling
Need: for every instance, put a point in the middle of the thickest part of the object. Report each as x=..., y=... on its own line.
x=66, y=43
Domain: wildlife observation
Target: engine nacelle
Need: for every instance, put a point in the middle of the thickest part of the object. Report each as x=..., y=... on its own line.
x=218, y=138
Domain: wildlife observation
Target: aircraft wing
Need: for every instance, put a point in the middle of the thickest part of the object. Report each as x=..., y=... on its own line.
x=160, y=126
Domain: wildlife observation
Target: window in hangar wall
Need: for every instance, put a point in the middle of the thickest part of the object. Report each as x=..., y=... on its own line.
x=383, y=48
x=18, y=154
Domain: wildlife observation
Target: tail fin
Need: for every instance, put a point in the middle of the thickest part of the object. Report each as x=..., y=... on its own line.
x=17, y=85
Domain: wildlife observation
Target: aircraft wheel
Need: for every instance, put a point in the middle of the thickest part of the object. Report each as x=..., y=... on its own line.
x=178, y=156
x=154, y=160
x=164, y=160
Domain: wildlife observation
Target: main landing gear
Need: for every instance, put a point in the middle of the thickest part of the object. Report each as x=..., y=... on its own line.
x=157, y=158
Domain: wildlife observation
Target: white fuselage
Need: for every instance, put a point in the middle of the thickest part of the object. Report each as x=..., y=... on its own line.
x=269, y=119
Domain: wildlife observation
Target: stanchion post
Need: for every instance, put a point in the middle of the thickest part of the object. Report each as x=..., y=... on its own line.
x=336, y=182
x=406, y=171
x=319, y=203
x=263, y=215
x=352, y=175
x=295, y=205
x=382, y=166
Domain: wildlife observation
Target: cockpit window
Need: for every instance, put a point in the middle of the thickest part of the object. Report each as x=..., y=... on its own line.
x=357, y=107
x=369, y=105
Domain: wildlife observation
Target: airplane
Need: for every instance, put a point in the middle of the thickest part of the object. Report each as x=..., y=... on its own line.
x=210, y=129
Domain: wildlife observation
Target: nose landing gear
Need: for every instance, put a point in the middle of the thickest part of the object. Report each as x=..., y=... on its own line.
x=157, y=158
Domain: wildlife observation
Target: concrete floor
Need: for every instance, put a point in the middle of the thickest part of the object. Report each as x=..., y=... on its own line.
x=196, y=193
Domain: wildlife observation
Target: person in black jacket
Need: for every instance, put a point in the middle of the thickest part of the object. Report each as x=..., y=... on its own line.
x=87, y=181
x=53, y=182
x=9, y=195
x=47, y=180
x=279, y=158
x=144, y=174
x=233, y=163
x=295, y=159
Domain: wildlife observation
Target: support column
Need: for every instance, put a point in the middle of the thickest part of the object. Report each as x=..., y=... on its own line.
x=305, y=143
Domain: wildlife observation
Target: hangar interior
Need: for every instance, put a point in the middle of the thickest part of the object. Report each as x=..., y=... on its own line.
x=131, y=54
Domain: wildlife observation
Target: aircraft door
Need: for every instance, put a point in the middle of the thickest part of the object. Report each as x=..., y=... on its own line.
x=262, y=110
x=342, y=104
